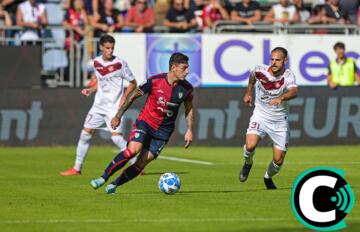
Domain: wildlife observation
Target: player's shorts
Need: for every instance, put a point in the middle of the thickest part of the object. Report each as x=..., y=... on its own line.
x=279, y=132
x=144, y=134
x=100, y=119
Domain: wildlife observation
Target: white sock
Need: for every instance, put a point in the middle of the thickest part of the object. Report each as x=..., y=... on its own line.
x=82, y=149
x=272, y=169
x=248, y=155
x=119, y=141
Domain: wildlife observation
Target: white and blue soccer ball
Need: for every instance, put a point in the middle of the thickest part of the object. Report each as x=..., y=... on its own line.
x=169, y=183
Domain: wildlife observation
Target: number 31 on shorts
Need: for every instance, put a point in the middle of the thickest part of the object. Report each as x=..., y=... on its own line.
x=254, y=125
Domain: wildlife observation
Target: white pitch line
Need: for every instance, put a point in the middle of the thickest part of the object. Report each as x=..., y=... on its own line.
x=179, y=159
x=153, y=220
x=184, y=160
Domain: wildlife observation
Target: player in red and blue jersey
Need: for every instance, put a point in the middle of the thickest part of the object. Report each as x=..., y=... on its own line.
x=155, y=123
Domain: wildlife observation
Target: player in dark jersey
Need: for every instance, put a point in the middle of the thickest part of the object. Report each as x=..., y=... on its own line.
x=155, y=123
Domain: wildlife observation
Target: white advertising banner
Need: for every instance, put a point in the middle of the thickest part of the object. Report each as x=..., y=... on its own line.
x=220, y=60
x=132, y=48
x=228, y=59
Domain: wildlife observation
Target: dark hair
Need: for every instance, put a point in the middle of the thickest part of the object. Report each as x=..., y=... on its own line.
x=339, y=45
x=107, y=39
x=178, y=58
x=282, y=50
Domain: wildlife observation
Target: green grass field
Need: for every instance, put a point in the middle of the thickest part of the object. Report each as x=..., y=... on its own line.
x=33, y=197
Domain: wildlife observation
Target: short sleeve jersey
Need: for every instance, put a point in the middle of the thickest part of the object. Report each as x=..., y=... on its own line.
x=163, y=102
x=110, y=77
x=268, y=87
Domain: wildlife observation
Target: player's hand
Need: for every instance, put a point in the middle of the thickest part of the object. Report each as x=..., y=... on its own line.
x=86, y=92
x=188, y=138
x=115, y=122
x=276, y=101
x=248, y=100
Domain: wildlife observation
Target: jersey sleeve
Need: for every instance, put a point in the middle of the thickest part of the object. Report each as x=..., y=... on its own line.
x=290, y=81
x=256, y=69
x=146, y=86
x=126, y=72
x=190, y=95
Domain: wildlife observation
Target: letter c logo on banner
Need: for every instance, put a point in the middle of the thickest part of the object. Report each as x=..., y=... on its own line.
x=217, y=60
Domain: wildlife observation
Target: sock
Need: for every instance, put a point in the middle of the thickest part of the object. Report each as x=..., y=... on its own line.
x=82, y=149
x=128, y=174
x=248, y=155
x=119, y=161
x=272, y=169
x=119, y=141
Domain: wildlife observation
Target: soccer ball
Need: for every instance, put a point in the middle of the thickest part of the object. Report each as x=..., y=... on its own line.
x=169, y=183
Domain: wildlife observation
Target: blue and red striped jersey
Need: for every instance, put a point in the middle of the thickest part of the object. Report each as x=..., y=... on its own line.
x=163, y=102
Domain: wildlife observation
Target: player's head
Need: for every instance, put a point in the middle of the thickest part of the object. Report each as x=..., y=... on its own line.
x=178, y=65
x=279, y=57
x=339, y=49
x=107, y=43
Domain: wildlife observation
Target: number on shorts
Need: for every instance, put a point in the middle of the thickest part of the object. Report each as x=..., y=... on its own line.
x=255, y=125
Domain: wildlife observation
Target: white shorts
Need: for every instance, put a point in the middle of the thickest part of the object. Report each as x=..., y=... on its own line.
x=100, y=119
x=279, y=132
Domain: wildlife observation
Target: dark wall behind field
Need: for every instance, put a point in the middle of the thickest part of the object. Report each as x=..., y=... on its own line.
x=318, y=116
x=20, y=67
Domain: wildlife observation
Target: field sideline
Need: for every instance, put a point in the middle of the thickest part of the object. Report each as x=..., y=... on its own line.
x=34, y=197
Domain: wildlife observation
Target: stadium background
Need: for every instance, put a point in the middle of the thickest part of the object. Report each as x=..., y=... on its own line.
x=41, y=105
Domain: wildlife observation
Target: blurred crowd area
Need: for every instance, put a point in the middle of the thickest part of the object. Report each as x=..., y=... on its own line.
x=68, y=30
x=96, y=17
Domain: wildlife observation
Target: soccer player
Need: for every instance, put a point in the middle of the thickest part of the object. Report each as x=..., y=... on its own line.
x=274, y=86
x=155, y=123
x=111, y=72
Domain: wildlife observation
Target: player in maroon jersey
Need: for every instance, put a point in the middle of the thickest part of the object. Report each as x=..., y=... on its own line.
x=155, y=123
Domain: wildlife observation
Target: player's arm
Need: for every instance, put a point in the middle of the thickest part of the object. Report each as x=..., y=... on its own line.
x=189, y=115
x=92, y=89
x=115, y=122
x=248, y=95
x=288, y=95
x=131, y=87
